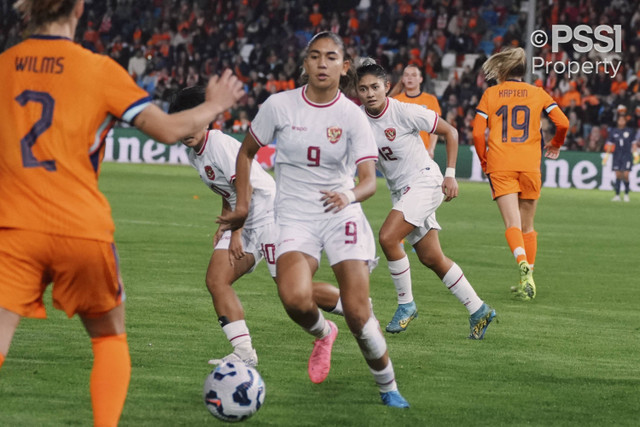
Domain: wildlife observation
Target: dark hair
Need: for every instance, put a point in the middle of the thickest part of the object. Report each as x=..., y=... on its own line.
x=187, y=98
x=369, y=66
x=41, y=12
x=348, y=82
x=325, y=35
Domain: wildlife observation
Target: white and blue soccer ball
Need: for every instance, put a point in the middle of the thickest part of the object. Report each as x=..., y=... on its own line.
x=233, y=392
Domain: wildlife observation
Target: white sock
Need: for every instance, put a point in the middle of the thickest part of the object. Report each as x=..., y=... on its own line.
x=401, y=276
x=386, y=379
x=321, y=328
x=459, y=286
x=238, y=335
x=338, y=308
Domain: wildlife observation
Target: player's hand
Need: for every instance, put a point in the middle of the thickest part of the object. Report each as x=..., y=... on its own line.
x=449, y=188
x=334, y=201
x=217, y=236
x=605, y=159
x=232, y=220
x=636, y=158
x=236, y=251
x=552, y=152
x=224, y=90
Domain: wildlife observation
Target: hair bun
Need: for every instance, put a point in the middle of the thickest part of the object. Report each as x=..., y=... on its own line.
x=364, y=62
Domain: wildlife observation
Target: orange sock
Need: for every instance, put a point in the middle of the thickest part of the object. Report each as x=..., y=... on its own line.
x=109, y=378
x=1, y=359
x=531, y=246
x=516, y=243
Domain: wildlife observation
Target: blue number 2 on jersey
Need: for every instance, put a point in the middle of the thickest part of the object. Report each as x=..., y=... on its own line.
x=38, y=128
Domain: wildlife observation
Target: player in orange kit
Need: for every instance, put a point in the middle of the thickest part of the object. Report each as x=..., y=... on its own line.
x=58, y=102
x=409, y=90
x=511, y=157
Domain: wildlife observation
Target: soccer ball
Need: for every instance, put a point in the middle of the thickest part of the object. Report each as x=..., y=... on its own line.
x=233, y=392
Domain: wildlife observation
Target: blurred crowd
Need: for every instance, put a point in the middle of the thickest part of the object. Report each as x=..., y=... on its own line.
x=170, y=44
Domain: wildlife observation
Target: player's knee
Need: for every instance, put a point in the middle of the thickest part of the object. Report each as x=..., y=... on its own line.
x=387, y=239
x=431, y=259
x=216, y=284
x=370, y=340
x=296, y=300
x=356, y=321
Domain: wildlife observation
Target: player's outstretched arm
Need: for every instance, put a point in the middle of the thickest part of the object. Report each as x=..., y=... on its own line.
x=222, y=93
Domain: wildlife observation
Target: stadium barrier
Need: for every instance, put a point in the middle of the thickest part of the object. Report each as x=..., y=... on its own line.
x=573, y=169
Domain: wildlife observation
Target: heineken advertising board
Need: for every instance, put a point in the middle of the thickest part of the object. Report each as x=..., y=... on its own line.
x=571, y=169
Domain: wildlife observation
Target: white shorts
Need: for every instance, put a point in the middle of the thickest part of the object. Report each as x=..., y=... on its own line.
x=418, y=202
x=260, y=242
x=344, y=236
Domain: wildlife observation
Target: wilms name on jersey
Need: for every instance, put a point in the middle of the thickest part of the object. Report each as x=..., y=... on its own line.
x=38, y=64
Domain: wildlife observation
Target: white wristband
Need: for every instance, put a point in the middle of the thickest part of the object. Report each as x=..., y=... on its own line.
x=450, y=173
x=350, y=196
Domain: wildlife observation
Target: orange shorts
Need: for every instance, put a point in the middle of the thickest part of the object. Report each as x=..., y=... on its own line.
x=85, y=274
x=526, y=184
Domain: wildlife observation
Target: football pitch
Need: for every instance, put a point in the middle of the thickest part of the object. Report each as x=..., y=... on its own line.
x=570, y=357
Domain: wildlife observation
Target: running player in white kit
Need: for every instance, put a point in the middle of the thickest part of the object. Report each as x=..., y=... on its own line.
x=237, y=253
x=321, y=137
x=417, y=189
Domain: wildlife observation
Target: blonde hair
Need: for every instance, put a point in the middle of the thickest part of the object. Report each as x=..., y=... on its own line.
x=510, y=62
x=40, y=12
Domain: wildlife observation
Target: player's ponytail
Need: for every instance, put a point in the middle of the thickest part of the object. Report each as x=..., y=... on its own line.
x=506, y=64
x=349, y=82
x=40, y=12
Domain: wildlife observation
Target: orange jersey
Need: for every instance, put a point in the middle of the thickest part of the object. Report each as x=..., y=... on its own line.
x=426, y=100
x=512, y=111
x=58, y=101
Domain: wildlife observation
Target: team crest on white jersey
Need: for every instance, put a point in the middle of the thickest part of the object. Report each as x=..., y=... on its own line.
x=333, y=134
x=390, y=133
x=210, y=173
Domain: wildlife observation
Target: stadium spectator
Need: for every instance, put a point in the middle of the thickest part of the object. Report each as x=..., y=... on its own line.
x=137, y=65
x=213, y=34
x=570, y=95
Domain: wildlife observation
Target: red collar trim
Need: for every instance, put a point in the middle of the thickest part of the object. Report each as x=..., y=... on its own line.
x=386, y=107
x=313, y=104
x=206, y=138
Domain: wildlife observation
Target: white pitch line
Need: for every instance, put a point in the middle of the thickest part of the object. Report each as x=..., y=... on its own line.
x=172, y=224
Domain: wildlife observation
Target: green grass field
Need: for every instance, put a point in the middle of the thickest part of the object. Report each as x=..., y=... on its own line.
x=571, y=357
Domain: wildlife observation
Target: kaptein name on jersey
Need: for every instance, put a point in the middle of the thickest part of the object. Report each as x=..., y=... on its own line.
x=507, y=93
x=40, y=64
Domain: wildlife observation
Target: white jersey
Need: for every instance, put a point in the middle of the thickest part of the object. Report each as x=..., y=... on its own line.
x=317, y=148
x=401, y=152
x=216, y=164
